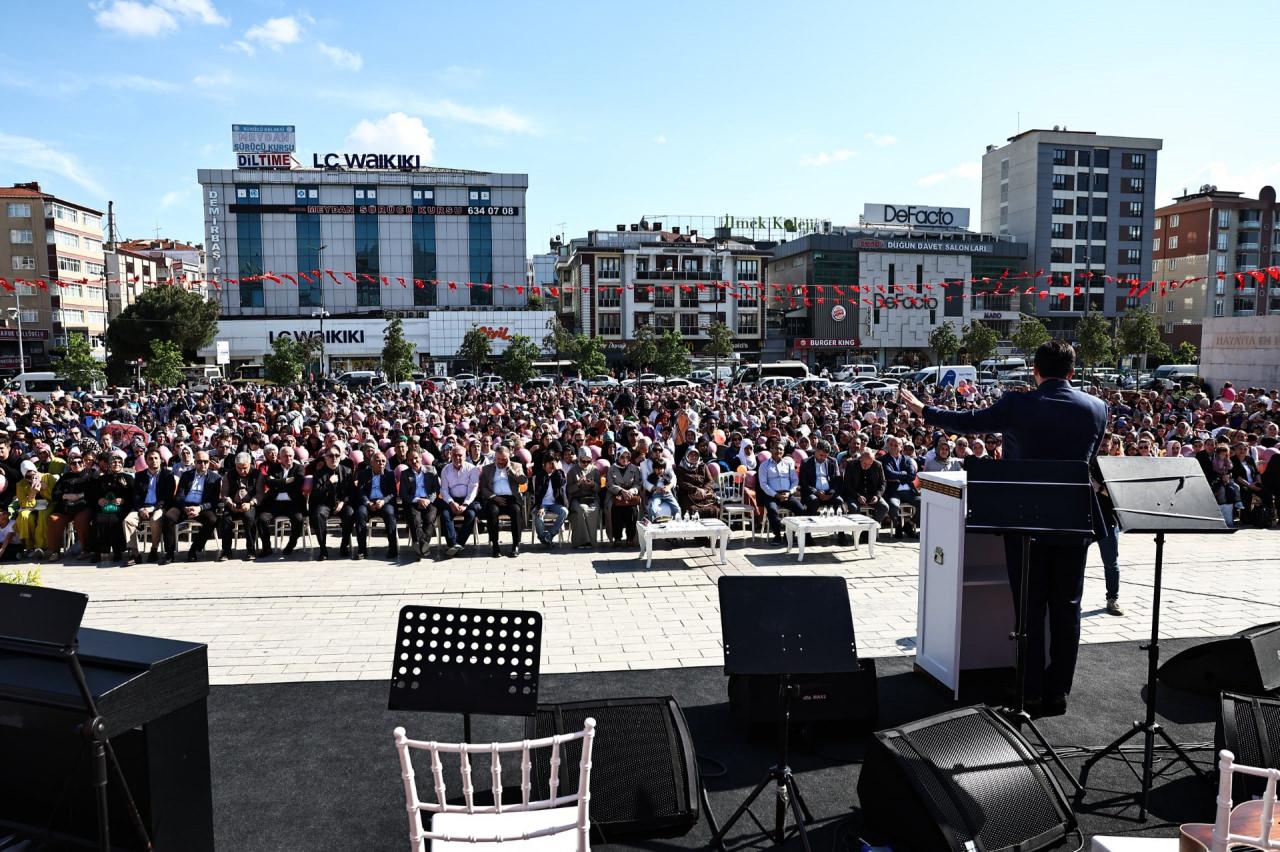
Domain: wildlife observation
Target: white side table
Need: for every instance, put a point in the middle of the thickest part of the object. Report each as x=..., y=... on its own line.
x=797, y=527
x=710, y=528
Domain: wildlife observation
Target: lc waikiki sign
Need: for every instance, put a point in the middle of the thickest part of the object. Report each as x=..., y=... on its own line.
x=367, y=162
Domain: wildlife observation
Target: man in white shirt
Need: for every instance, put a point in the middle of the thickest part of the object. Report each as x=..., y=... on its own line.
x=500, y=495
x=459, y=487
x=777, y=487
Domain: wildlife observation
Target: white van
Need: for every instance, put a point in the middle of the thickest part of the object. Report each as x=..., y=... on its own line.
x=750, y=374
x=1173, y=375
x=43, y=387
x=1003, y=365
x=854, y=372
x=947, y=374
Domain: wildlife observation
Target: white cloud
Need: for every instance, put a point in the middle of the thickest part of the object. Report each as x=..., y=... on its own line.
x=824, y=158
x=660, y=139
x=342, y=57
x=29, y=153
x=461, y=76
x=138, y=83
x=273, y=33
x=213, y=80
x=881, y=139
x=968, y=170
x=494, y=118
x=203, y=10
x=172, y=198
x=135, y=19
x=395, y=132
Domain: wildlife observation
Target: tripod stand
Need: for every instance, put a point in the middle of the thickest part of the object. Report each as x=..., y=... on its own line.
x=1145, y=492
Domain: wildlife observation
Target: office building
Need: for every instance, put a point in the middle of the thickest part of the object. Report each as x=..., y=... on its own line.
x=612, y=283
x=1211, y=235
x=1084, y=204
x=51, y=256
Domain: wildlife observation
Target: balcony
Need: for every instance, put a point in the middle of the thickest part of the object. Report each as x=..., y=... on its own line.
x=1250, y=224
x=676, y=275
x=1247, y=244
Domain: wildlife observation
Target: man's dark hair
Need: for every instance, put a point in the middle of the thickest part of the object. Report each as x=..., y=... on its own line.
x=1055, y=359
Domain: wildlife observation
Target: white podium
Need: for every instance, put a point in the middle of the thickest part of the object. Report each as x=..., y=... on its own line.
x=965, y=610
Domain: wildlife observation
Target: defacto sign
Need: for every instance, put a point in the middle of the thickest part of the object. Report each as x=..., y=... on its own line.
x=916, y=216
x=367, y=162
x=910, y=302
x=262, y=139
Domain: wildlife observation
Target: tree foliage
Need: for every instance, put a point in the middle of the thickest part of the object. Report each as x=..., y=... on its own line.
x=642, y=351
x=980, y=342
x=516, y=363
x=1139, y=333
x=1029, y=335
x=944, y=342
x=558, y=339
x=78, y=367
x=719, y=341
x=283, y=364
x=397, y=352
x=588, y=356
x=673, y=355
x=164, y=366
x=475, y=349
x=162, y=313
x=1186, y=353
x=1093, y=337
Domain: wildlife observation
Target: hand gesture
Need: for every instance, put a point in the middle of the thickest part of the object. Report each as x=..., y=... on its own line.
x=910, y=401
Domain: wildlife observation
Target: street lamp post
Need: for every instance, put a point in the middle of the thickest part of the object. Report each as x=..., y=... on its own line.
x=321, y=314
x=16, y=313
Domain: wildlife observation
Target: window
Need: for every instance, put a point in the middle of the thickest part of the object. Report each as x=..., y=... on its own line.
x=1004, y=216
x=1168, y=306
x=1132, y=185
x=1061, y=157
x=749, y=323
x=368, y=285
x=1175, y=220
x=609, y=296
x=367, y=194
x=1063, y=182
x=62, y=238
x=609, y=267
x=306, y=228
x=643, y=320
x=424, y=196
x=91, y=222
x=91, y=246
x=1004, y=193
x=1155, y=244
x=479, y=196
x=1102, y=158
x=643, y=294
x=19, y=210
x=1219, y=307
x=642, y=266
x=30, y=316
x=689, y=325
x=1100, y=181
x=1063, y=207
x=1133, y=233
x=1059, y=255
x=1060, y=231
x=20, y=236
x=1133, y=161
x=1133, y=209
x=664, y=322
x=23, y=261
x=1224, y=218
x=1004, y=169
x=748, y=270
x=664, y=297
x=1173, y=242
x=1130, y=257
x=248, y=195
x=73, y=290
x=611, y=324
x=1222, y=241
x=1082, y=158
x=53, y=210
x=480, y=250
x=1158, y=222
x=747, y=296
x=68, y=264
x=249, y=247
x=424, y=253
x=94, y=268
x=307, y=194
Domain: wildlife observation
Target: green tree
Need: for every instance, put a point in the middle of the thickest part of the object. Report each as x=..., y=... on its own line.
x=164, y=367
x=161, y=313
x=475, y=349
x=516, y=363
x=1139, y=335
x=1186, y=353
x=283, y=364
x=309, y=349
x=642, y=351
x=78, y=367
x=1029, y=334
x=588, y=356
x=944, y=342
x=980, y=342
x=719, y=345
x=397, y=352
x=1093, y=338
x=558, y=340
x=673, y=355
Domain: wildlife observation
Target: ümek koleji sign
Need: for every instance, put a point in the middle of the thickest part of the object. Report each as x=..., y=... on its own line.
x=916, y=216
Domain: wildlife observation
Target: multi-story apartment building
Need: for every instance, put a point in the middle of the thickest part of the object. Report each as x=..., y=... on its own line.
x=614, y=282
x=1084, y=204
x=184, y=262
x=1210, y=236
x=51, y=255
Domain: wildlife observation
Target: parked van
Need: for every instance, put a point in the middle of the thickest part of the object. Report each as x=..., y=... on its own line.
x=854, y=372
x=750, y=374
x=1173, y=375
x=947, y=374
x=1003, y=365
x=43, y=387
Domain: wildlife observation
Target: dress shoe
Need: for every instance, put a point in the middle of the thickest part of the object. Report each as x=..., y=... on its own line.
x=515, y=551
x=393, y=555
x=129, y=562
x=166, y=559
x=494, y=548
x=223, y=557
x=360, y=554
x=345, y=551
x=192, y=556
x=288, y=548
x=323, y=556
x=1051, y=705
x=842, y=539
x=268, y=552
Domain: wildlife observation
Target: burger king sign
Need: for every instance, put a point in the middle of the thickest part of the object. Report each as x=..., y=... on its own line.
x=838, y=313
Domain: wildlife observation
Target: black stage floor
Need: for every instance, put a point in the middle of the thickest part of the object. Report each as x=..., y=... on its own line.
x=312, y=765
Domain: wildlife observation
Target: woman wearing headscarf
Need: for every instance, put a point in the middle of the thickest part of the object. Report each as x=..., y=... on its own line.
x=35, y=503
x=693, y=486
x=584, y=499
x=626, y=495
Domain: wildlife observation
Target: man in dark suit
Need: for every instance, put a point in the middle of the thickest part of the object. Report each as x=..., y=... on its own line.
x=500, y=495
x=1054, y=421
x=419, y=488
x=282, y=480
x=820, y=481
x=331, y=497
x=864, y=485
x=375, y=495
x=199, y=495
x=241, y=496
x=153, y=488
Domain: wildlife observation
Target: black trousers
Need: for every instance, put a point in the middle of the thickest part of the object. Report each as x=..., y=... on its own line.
x=813, y=504
x=494, y=511
x=1054, y=591
x=388, y=515
x=267, y=516
x=320, y=521
x=771, y=506
x=422, y=523
x=227, y=526
x=208, y=520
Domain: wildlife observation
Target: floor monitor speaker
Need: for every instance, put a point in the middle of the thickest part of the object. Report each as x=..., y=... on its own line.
x=960, y=781
x=1249, y=728
x=1248, y=662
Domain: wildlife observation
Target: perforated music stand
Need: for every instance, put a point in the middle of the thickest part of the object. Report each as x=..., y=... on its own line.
x=1161, y=496
x=1034, y=499
x=784, y=626
x=46, y=622
x=466, y=660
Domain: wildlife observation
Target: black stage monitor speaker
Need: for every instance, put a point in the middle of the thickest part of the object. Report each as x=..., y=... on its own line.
x=1249, y=728
x=1247, y=662
x=963, y=780
x=645, y=773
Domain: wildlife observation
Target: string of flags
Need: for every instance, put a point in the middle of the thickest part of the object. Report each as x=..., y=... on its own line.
x=1056, y=285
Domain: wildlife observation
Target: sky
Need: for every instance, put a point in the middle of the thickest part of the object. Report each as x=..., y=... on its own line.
x=621, y=110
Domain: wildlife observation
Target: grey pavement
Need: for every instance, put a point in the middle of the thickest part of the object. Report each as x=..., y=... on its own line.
x=295, y=620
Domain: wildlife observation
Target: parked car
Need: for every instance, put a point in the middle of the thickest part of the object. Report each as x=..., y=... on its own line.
x=489, y=381
x=542, y=382
x=465, y=380
x=676, y=382
x=897, y=371
x=774, y=381
x=601, y=381
x=853, y=372
x=813, y=383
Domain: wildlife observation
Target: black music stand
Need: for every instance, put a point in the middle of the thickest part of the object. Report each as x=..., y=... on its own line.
x=1161, y=496
x=45, y=622
x=784, y=626
x=466, y=660
x=1044, y=500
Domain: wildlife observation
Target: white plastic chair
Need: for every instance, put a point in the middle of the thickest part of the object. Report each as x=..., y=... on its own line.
x=554, y=823
x=733, y=505
x=1223, y=838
